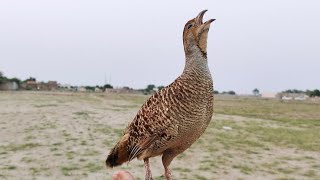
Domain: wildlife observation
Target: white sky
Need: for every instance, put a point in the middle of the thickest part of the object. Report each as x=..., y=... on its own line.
x=272, y=45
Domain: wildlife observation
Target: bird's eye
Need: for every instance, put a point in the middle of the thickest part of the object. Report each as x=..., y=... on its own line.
x=189, y=26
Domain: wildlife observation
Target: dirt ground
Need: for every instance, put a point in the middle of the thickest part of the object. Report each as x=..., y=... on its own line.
x=55, y=135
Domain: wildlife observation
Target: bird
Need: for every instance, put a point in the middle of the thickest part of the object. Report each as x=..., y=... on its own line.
x=173, y=118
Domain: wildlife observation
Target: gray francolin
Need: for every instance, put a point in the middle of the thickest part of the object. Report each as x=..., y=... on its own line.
x=172, y=119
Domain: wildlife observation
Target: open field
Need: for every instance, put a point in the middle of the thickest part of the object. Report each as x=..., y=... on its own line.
x=47, y=135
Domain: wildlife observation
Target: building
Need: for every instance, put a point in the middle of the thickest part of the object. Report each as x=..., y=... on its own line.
x=9, y=86
x=34, y=85
x=96, y=89
x=268, y=95
x=293, y=96
x=52, y=85
x=81, y=89
x=123, y=90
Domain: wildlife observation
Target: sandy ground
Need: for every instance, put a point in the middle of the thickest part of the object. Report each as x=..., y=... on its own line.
x=68, y=136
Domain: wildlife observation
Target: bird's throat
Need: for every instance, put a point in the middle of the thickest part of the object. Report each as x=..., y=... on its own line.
x=196, y=62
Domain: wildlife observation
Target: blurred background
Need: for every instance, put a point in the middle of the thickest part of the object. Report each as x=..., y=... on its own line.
x=269, y=45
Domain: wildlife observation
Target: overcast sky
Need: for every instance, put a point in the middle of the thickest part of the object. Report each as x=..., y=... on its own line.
x=272, y=45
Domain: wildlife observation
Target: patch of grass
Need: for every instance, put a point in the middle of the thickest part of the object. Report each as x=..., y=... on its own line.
x=93, y=167
x=118, y=132
x=10, y=167
x=237, y=140
x=243, y=168
x=309, y=157
x=118, y=107
x=20, y=147
x=65, y=134
x=110, y=130
x=83, y=114
x=70, y=154
x=310, y=173
x=27, y=159
x=197, y=176
x=36, y=171
x=54, y=149
x=285, y=170
x=267, y=108
x=306, y=139
x=57, y=144
x=71, y=139
x=47, y=125
x=179, y=169
x=29, y=137
x=209, y=164
x=181, y=156
x=135, y=99
x=90, y=153
x=270, y=167
x=83, y=143
x=67, y=170
x=204, y=168
x=45, y=105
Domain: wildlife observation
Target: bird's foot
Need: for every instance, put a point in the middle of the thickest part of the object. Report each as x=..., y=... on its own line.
x=148, y=177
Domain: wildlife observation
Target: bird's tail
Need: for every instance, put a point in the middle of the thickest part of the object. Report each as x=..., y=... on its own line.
x=119, y=154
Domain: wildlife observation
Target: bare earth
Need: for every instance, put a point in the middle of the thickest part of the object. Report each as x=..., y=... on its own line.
x=54, y=135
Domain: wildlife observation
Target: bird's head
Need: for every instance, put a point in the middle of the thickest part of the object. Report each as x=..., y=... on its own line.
x=195, y=34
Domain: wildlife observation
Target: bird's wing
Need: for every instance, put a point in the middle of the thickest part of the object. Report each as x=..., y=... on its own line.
x=152, y=126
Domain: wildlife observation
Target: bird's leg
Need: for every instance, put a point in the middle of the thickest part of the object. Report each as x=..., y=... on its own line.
x=167, y=157
x=167, y=173
x=147, y=167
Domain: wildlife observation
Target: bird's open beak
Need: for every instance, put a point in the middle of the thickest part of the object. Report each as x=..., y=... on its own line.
x=199, y=18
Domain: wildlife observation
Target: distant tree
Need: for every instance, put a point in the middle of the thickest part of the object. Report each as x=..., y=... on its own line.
x=314, y=93
x=150, y=87
x=160, y=87
x=229, y=92
x=256, y=92
x=99, y=87
x=215, y=92
x=5, y=79
x=2, y=78
x=288, y=91
x=232, y=93
x=108, y=86
x=308, y=92
x=127, y=87
x=30, y=79
x=293, y=91
x=90, y=88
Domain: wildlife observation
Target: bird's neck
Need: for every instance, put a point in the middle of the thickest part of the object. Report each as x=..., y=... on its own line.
x=196, y=62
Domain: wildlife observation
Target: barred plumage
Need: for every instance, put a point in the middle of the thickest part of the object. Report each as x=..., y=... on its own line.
x=172, y=119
